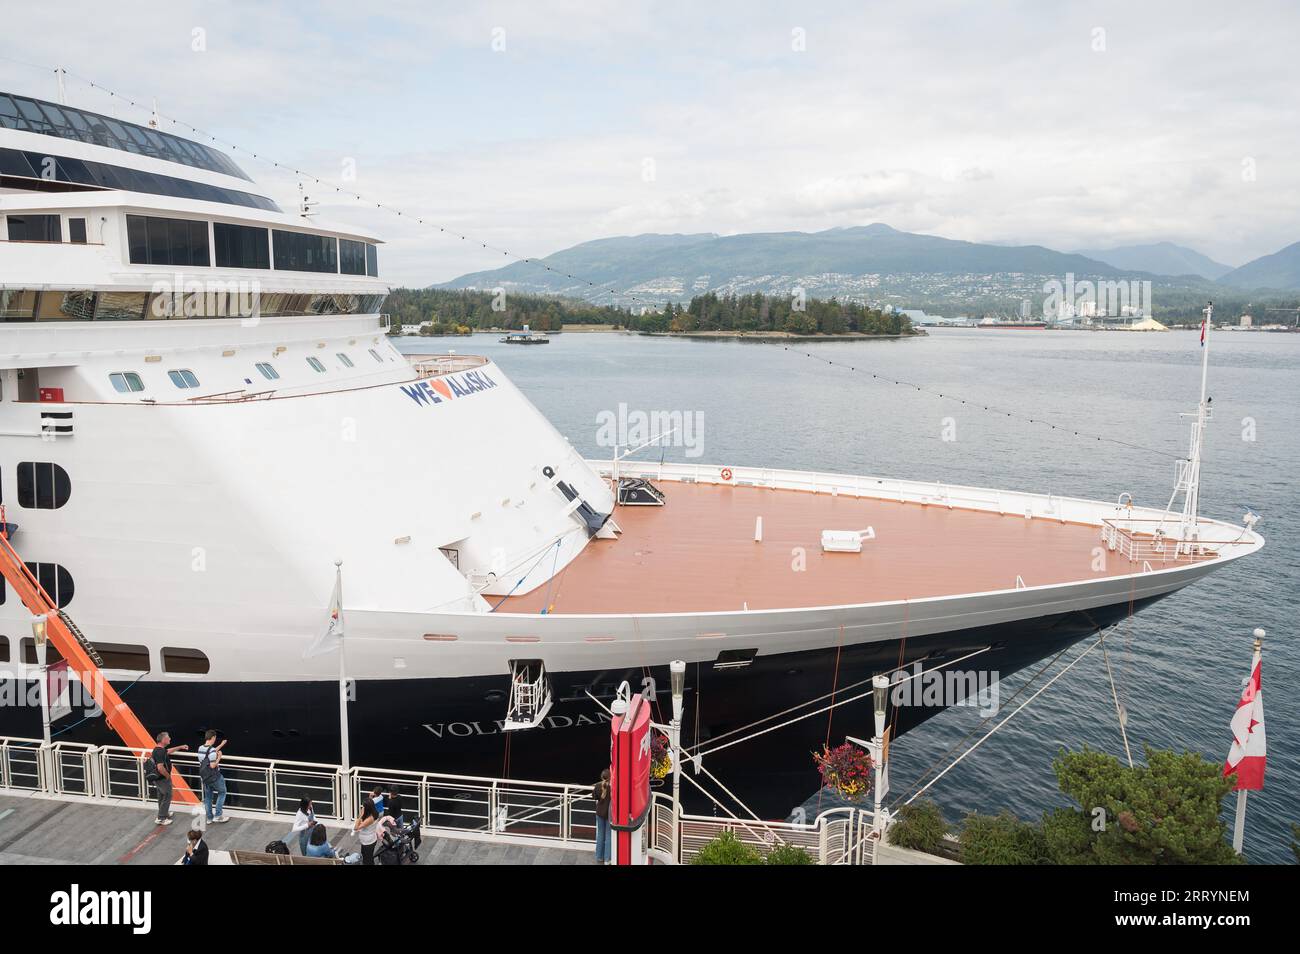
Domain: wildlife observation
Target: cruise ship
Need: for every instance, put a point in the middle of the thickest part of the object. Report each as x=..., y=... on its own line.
x=203, y=425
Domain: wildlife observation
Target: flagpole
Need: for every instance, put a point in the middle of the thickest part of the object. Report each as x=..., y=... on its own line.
x=345, y=757
x=1239, y=826
x=1239, y=830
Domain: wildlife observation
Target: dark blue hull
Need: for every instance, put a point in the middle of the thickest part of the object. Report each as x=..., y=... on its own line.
x=454, y=725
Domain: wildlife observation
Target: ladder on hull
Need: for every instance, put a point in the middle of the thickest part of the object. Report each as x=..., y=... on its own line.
x=530, y=694
x=82, y=659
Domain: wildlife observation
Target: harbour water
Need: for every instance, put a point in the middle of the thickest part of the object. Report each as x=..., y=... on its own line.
x=1179, y=666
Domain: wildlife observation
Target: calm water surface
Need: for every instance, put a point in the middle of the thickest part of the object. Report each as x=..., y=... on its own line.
x=1179, y=665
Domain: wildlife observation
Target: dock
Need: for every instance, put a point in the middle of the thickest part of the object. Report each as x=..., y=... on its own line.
x=74, y=803
x=36, y=829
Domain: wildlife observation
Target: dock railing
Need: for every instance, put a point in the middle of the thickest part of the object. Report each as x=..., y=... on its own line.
x=465, y=806
x=838, y=836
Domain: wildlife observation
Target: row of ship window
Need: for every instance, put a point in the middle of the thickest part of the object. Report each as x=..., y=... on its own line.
x=128, y=382
x=117, y=656
x=25, y=304
x=23, y=168
x=40, y=116
x=155, y=240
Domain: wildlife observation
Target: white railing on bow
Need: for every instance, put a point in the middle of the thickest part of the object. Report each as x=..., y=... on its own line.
x=437, y=365
x=1215, y=535
x=1150, y=541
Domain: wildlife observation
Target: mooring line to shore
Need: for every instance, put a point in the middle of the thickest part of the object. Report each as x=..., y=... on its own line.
x=1047, y=685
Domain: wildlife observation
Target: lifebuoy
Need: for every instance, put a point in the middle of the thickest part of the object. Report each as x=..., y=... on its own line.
x=726, y=473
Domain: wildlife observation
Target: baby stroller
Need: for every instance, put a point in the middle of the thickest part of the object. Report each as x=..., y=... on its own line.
x=400, y=843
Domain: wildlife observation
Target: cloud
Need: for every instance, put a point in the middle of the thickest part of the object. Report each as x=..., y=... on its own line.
x=985, y=123
x=862, y=192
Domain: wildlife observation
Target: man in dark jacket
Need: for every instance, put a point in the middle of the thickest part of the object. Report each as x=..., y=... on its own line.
x=196, y=849
x=162, y=775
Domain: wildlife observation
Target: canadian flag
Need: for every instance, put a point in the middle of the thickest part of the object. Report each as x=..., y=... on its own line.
x=1246, y=757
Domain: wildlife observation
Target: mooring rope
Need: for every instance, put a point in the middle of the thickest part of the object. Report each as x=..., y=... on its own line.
x=1018, y=709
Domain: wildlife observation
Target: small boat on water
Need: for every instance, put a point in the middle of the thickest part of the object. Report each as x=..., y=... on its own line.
x=525, y=337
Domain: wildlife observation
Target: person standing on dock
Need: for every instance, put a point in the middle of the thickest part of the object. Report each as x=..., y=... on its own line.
x=161, y=774
x=367, y=831
x=214, y=783
x=303, y=823
x=601, y=793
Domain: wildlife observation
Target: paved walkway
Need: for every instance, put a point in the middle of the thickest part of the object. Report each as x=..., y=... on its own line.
x=38, y=830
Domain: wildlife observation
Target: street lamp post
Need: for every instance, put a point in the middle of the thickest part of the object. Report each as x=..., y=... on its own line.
x=877, y=750
x=39, y=624
x=880, y=695
x=677, y=674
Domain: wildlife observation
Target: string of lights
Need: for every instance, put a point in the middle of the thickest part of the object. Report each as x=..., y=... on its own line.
x=317, y=180
x=981, y=406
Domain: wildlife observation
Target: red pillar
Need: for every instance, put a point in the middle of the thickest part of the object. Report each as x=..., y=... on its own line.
x=629, y=774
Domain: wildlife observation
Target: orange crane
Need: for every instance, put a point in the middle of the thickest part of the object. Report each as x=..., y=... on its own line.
x=81, y=657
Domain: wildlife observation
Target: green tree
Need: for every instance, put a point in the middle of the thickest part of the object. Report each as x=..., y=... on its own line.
x=1001, y=839
x=789, y=855
x=1164, y=812
x=920, y=826
x=727, y=849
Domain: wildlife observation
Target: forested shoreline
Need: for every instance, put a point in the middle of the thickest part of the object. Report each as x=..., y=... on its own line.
x=460, y=312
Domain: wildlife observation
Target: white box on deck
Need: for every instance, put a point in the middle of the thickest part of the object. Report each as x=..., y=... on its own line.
x=846, y=541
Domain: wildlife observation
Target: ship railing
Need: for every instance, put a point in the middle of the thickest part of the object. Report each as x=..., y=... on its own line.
x=233, y=397
x=1036, y=506
x=1150, y=540
x=438, y=365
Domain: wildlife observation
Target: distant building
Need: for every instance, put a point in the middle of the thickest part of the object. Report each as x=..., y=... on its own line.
x=1246, y=321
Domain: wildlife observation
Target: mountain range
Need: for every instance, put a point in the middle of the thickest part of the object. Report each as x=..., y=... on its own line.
x=873, y=261
x=1162, y=258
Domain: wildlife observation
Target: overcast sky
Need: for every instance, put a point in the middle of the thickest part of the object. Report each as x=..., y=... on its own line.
x=534, y=126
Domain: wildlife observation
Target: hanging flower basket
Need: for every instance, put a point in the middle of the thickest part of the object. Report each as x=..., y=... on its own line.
x=846, y=769
x=661, y=757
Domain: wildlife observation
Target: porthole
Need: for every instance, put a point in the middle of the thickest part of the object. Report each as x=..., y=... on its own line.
x=126, y=382
x=42, y=485
x=55, y=581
